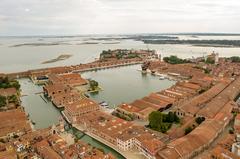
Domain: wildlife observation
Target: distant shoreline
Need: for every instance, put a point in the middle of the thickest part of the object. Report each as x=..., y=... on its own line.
x=201, y=43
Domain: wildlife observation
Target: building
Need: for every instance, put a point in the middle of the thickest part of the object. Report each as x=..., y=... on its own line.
x=70, y=79
x=61, y=99
x=13, y=123
x=192, y=106
x=219, y=153
x=141, y=139
x=126, y=139
x=8, y=92
x=45, y=151
x=79, y=108
x=148, y=145
x=55, y=89
x=160, y=101
x=200, y=138
x=236, y=148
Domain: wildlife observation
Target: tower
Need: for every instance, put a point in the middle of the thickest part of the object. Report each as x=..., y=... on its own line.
x=160, y=57
x=61, y=124
x=216, y=58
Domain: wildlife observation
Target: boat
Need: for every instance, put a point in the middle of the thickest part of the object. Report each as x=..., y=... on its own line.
x=33, y=122
x=153, y=72
x=161, y=78
x=87, y=95
x=104, y=104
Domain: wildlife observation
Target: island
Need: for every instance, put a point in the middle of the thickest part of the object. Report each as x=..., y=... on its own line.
x=59, y=58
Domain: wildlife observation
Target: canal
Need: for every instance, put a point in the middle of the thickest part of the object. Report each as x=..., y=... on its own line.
x=123, y=84
x=45, y=114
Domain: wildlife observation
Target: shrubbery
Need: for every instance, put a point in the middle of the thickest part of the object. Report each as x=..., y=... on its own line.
x=6, y=83
x=162, y=122
x=188, y=130
x=235, y=59
x=3, y=101
x=210, y=61
x=123, y=116
x=93, y=84
x=199, y=120
x=174, y=60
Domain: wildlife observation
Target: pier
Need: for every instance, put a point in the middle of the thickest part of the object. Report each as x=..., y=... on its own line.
x=43, y=98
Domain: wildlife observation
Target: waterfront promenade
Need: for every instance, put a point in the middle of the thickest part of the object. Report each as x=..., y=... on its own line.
x=107, y=67
x=126, y=154
x=92, y=66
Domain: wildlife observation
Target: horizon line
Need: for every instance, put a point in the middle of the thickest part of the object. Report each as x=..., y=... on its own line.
x=122, y=34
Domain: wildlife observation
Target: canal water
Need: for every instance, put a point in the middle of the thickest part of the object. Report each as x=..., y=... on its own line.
x=123, y=84
x=44, y=114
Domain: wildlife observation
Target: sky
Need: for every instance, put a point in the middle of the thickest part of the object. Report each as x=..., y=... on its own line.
x=67, y=17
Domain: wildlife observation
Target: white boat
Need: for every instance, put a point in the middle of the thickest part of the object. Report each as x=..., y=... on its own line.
x=162, y=78
x=104, y=104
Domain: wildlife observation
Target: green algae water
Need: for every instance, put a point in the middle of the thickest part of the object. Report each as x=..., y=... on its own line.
x=125, y=84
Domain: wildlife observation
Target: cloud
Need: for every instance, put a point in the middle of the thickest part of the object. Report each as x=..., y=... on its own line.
x=20, y=17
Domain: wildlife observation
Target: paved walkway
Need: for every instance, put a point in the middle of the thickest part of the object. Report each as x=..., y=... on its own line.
x=126, y=154
x=69, y=138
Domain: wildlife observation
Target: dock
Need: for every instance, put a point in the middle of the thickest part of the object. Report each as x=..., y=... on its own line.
x=43, y=99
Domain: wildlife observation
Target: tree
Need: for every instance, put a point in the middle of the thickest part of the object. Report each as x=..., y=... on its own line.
x=235, y=59
x=15, y=84
x=199, y=120
x=162, y=122
x=176, y=118
x=209, y=60
x=207, y=71
x=4, y=80
x=3, y=101
x=155, y=120
x=6, y=83
x=13, y=99
x=174, y=60
x=93, y=84
x=170, y=117
x=188, y=130
x=231, y=131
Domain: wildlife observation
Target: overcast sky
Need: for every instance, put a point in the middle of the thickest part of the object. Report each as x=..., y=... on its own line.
x=44, y=17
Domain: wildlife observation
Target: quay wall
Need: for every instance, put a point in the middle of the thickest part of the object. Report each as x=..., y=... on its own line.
x=93, y=66
x=83, y=130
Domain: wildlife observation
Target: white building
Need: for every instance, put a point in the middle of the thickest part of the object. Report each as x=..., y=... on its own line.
x=236, y=148
x=125, y=144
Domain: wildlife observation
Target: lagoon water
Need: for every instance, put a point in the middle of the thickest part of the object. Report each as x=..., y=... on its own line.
x=27, y=57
